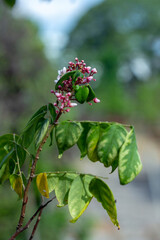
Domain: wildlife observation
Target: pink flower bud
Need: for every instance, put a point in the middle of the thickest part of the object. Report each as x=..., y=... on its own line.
x=68, y=94
x=94, y=70
x=68, y=109
x=58, y=95
x=89, y=78
x=76, y=59
x=96, y=100
x=88, y=68
x=52, y=91
x=55, y=104
x=90, y=103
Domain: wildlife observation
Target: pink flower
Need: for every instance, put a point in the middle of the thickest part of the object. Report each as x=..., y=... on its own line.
x=96, y=100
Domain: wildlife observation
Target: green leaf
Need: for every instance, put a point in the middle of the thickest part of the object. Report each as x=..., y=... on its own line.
x=110, y=142
x=17, y=184
x=82, y=145
x=103, y=194
x=5, y=139
x=81, y=94
x=6, y=170
x=29, y=131
x=67, y=134
x=52, y=112
x=10, y=3
x=79, y=198
x=114, y=164
x=52, y=179
x=92, y=141
x=41, y=131
x=65, y=77
x=6, y=157
x=42, y=184
x=51, y=138
x=28, y=135
x=129, y=160
x=39, y=114
x=91, y=94
x=63, y=186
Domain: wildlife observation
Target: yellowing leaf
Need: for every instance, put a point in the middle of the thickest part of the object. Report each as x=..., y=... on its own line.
x=17, y=184
x=42, y=184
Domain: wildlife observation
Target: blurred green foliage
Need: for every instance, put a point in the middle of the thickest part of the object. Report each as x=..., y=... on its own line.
x=121, y=38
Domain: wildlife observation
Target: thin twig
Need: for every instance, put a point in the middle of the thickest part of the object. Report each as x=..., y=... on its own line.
x=36, y=224
x=31, y=219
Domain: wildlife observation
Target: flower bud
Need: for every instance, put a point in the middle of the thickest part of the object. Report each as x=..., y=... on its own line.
x=94, y=70
x=96, y=100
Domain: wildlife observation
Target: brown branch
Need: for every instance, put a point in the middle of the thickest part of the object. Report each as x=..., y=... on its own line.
x=39, y=210
x=36, y=224
x=25, y=197
x=32, y=172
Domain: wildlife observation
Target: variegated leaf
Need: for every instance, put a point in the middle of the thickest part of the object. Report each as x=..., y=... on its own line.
x=110, y=142
x=129, y=160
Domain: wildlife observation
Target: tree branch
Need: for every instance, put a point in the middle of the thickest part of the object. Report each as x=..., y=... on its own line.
x=39, y=210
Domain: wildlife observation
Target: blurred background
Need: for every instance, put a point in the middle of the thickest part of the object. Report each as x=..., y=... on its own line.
x=122, y=40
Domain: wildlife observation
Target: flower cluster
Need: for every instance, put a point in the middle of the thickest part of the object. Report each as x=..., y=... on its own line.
x=66, y=92
x=64, y=101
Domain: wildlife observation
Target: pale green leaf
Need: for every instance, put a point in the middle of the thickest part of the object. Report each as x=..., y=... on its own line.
x=129, y=165
x=82, y=145
x=103, y=194
x=79, y=198
x=63, y=186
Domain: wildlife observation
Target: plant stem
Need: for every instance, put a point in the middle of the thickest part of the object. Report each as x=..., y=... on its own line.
x=39, y=210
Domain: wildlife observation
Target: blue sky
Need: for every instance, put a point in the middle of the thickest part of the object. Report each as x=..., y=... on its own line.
x=55, y=19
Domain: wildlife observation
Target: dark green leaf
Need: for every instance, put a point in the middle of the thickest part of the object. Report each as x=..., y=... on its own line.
x=6, y=157
x=92, y=141
x=39, y=114
x=51, y=138
x=110, y=142
x=103, y=194
x=82, y=145
x=79, y=198
x=81, y=94
x=29, y=131
x=129, y=160
x=10, y=3
x=41, y=131
x=67, y=134
x=52, y=112
x=91, y=94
